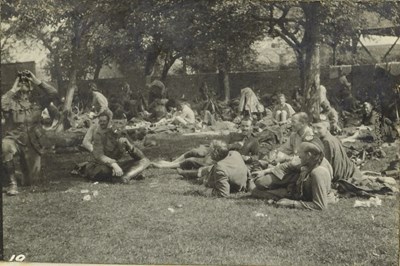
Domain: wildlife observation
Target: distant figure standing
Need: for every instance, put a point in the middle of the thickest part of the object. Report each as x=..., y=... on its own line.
x=209, y=107
x=99, y=101
x=322, y=95
x=343, y=98
x=331, y=115
x=100, y=106
x=344, y=84
x=157, y=91
x=127, y=91
x=249, y=104
x=204, y=92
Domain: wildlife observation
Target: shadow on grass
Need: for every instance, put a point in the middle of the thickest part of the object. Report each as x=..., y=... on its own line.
x=195, y=193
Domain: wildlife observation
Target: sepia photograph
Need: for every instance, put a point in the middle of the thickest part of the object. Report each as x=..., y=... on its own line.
x=200, y=132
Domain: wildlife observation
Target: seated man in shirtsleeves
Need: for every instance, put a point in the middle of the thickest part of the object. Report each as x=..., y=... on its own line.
x=108, y=152
x=229, y=173
x=300, y=130
x=184, y=115
x=282, y=111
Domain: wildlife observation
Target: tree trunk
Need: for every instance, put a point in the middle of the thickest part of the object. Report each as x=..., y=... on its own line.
x=225, y=86
x=57, y=72
x=168, y=62
x=223, y=70
x=301, y=64
x=151, y=60
x=76, y=41
x=184, y=65
x=354, y=42
x=97, y=71
x=66, y=116
x=67, y=109
x=312, y=80
x=70, y=90
x=334, y=49
x=310, y=43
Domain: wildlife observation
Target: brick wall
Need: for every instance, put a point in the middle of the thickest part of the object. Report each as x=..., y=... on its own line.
x=366, y=79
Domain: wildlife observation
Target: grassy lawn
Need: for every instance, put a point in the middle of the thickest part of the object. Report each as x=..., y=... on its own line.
x=165, y=219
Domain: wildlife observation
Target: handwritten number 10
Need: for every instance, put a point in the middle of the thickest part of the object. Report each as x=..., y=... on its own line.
x=19, y=258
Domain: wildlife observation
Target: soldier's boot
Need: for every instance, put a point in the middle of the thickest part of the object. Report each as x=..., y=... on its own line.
x=10, y=173
x=250, y=186
x=135, y=171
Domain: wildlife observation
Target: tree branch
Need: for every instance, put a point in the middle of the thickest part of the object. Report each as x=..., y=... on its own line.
x=41, y=36
x=4, y=41
x=289, y=35
x=292, y=44
x=274, y=20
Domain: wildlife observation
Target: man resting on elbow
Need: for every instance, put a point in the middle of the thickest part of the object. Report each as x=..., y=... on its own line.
x=229, y=173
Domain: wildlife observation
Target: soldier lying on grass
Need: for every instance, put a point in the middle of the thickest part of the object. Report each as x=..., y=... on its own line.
x=229, y=173
x=245, y=143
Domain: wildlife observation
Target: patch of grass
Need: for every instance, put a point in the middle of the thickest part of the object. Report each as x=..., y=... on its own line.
x=132, y=223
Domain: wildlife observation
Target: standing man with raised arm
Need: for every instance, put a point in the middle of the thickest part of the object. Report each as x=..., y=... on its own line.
x=23, y=133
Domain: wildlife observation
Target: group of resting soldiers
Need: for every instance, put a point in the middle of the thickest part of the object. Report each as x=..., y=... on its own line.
x=311, y=162
x=301, y=173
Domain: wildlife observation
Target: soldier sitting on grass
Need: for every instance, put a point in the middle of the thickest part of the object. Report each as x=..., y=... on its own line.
x=331, y=115
x=282, y=110
x=108, y=152
x=347, y=178
x=374, y=127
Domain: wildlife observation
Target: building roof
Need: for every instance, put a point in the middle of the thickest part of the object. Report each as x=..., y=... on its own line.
x=382, y=31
